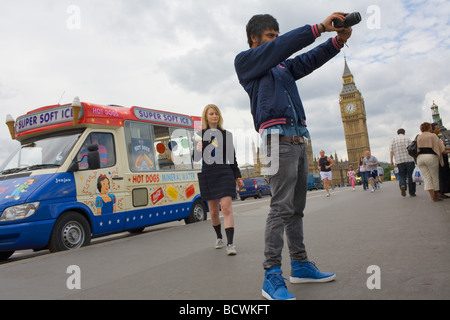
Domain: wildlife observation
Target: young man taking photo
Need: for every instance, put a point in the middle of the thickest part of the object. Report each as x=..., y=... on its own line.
x=269, y=78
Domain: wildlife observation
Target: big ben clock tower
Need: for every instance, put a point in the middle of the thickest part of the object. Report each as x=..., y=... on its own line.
x=353, y=115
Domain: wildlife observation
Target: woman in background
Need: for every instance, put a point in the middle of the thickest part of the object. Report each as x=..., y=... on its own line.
x=363, y=173
x=444, y=171
x=430, y=150
x=219, y=175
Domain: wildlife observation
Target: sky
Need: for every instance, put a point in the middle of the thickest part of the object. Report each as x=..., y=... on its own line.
x=178, y=56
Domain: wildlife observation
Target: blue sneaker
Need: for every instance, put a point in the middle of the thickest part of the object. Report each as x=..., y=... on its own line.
x=303, y=272
x=274, y=287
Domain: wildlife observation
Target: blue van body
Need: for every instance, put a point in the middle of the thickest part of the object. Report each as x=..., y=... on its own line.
x=314, y=182
x=49, y=192
x=254, y=187
x=55, y=193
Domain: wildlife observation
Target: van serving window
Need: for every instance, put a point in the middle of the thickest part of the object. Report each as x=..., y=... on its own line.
x=139, y=139
x=154, y=147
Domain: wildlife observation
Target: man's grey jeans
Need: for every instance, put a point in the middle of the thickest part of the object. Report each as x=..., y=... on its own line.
x=288, y=187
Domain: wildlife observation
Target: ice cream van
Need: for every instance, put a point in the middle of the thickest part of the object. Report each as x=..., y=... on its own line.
x=85, y=170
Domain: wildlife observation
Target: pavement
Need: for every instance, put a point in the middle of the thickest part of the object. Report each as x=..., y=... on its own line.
x=382, y=246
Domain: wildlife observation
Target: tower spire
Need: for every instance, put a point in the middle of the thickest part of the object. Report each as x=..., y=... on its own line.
x=435, y=114
x=347, y=72
x=347, y=79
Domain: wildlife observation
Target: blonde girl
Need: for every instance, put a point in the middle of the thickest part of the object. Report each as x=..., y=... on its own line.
x=219, y=175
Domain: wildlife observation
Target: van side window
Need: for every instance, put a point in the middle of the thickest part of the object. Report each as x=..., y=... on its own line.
x=153, y=147
x=105, y=142
x=141, y=154
x=196, y=157
x=181, y=149
x=163, y=148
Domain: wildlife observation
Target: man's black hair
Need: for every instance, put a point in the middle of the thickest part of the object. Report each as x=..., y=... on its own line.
x=260, y=23
x=401, y=131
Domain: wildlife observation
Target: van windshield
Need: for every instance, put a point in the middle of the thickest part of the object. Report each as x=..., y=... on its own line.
x=47, y=152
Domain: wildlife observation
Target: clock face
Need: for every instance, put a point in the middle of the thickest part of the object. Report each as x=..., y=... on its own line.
x=350, y=108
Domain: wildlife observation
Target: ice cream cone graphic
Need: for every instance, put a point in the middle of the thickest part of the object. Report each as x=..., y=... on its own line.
x=76, y=107
x=11, y=126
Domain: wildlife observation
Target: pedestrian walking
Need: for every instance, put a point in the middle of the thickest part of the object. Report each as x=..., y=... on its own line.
x=325, y=164
x=404, y=162
x=444, y=171
x=380, y=175
x=351, y=176
x=363, y=174
x=219, y=175
x=370, y=164
x=430, y=150
x=268, y=76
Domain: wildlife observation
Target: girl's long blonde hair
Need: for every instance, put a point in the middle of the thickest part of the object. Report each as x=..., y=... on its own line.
x=205, y=123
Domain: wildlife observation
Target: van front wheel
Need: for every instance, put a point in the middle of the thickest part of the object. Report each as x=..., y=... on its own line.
x=71, y=231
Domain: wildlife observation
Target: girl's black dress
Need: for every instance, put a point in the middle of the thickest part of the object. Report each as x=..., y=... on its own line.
x=219, y=166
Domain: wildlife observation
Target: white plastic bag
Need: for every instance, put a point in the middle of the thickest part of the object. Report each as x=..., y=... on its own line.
x=416, y=175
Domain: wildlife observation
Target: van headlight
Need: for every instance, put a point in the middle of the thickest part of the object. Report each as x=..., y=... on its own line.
x=19, y=212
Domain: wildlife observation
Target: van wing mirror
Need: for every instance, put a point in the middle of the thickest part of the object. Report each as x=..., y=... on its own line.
x=73, y=166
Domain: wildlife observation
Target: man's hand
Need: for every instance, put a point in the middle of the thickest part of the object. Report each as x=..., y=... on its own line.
x=345, y=34
x=328, y=22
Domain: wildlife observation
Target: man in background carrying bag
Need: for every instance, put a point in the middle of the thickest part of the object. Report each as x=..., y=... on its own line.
x=404, y=162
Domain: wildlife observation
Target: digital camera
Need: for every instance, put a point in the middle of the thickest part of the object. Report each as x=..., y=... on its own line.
x=350, y=20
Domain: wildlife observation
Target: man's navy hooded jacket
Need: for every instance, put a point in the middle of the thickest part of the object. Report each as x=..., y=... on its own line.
x=269, y=76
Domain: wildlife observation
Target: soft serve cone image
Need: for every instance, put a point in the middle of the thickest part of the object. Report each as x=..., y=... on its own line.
x=11, y=126
x=76, y=107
